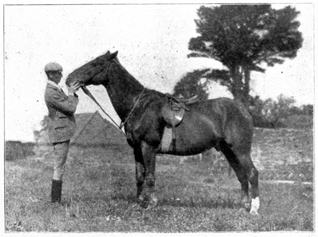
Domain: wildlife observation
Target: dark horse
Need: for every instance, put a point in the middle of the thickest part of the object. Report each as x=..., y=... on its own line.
x=220, y=123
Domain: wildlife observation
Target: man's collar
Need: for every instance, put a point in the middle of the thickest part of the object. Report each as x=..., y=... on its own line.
x=53, y=84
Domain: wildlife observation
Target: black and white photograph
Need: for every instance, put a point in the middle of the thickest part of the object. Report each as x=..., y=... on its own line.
x=158, y=117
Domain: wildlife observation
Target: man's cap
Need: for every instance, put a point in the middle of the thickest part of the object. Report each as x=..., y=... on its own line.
x=53, y=67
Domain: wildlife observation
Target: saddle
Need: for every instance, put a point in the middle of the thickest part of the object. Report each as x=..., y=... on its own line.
x=173, y=111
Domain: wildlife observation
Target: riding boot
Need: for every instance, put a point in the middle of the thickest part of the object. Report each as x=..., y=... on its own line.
x=56, y=191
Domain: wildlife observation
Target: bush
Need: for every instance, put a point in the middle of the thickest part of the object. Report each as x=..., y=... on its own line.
x=14, y=150
x=299, y=121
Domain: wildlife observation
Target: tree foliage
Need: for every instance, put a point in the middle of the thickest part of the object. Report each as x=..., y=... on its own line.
x=191, y=85
x=277, y=113
x=244, y=37
x=44, y=125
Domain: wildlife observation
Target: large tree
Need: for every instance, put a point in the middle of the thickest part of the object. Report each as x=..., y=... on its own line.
x=245, y=38
x=191, y=85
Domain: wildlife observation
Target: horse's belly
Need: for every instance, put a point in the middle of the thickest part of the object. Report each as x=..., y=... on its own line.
x=191, y=137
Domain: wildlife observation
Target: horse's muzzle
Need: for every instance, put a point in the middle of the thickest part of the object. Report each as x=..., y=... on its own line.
x=70, y=80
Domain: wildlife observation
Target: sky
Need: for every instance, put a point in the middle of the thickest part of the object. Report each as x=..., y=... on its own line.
x=152, y=41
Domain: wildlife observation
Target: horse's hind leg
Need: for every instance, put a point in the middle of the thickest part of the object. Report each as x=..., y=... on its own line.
x=252, y=175
x=240, y=160
x=240, y=173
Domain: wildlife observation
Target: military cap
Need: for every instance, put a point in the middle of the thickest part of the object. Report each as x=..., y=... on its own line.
x=53, y=67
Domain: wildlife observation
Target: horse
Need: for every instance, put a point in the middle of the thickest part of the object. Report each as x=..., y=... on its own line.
x=222, y=123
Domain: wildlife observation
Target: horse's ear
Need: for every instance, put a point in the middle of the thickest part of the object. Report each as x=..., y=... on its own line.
x=113, y=55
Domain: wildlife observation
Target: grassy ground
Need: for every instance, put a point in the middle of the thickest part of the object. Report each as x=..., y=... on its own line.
x=284, y=154
x=99, y=196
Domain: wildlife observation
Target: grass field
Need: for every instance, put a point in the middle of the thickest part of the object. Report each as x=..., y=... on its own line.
x=195, y=195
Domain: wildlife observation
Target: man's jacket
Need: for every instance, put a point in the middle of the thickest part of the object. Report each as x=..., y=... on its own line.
x=61, y=113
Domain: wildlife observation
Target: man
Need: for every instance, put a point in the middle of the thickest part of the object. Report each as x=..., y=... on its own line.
x=62, y=123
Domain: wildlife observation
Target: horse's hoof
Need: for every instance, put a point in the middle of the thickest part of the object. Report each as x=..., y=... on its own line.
x=152, y=202
x=253, y=212
x=140, y=198
x=247, y=206
x=255, y=206
x=146, y=201
x=144, y=204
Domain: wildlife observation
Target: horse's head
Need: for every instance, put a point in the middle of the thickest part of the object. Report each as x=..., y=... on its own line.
x=93, y=72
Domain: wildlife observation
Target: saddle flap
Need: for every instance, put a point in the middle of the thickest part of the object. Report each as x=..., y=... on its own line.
x=173, y=111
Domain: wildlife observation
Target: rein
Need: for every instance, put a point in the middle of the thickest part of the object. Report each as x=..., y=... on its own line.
x=87, y=92
x=123, y=123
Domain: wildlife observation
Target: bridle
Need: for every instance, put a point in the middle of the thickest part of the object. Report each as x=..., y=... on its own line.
x=122, y=123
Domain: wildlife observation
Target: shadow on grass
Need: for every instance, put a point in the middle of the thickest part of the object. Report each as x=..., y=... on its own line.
x=223, y=203
x=192, y=202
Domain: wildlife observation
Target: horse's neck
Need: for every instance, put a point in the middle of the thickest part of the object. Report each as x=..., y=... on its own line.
x=123, y=90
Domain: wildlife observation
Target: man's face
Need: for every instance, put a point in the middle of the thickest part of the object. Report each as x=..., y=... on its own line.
x=55, y=76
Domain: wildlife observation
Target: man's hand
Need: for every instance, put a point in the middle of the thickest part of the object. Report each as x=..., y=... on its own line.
x=73, y=88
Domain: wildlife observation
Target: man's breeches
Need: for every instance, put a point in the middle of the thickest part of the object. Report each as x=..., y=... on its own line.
x=60, y=155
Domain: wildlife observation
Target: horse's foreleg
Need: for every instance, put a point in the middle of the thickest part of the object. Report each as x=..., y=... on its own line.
x=149, y=159
x=140, y=171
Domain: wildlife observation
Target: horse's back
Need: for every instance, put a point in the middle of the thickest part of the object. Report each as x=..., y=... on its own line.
x=210, y=122
x=226, y=108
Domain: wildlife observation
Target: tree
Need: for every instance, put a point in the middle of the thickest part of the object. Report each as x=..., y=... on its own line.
x=44, y=125
x=197, y=83
x=191, y=85
x=256, y=106
x=277, y=111
x=244, y=37
x=308, y=109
